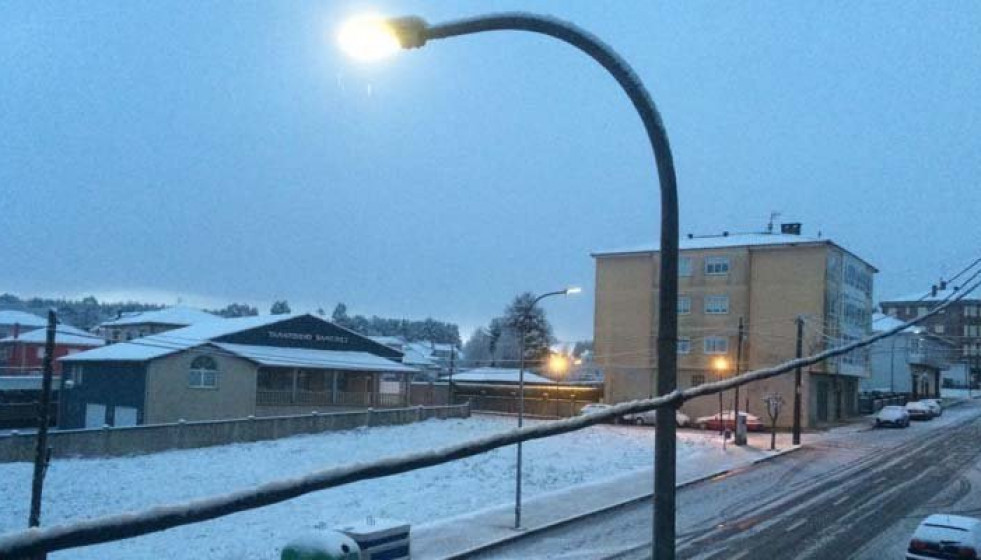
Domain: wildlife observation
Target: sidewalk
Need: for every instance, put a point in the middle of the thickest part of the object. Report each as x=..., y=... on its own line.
x=456, y=537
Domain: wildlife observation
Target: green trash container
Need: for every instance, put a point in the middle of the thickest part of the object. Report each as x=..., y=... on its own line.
x=331, y=545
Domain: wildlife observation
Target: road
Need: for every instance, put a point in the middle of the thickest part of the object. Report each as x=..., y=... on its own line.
x=858, y=494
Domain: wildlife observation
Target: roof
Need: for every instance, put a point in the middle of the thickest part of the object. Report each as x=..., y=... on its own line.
x=882, y=323
x=499, y=375
x=181, y=316
x=65, y=334
x=24, y=383
x=729, y=241
x=276, y=356
x=12, y=317
x=170, y=342
x=929, y=297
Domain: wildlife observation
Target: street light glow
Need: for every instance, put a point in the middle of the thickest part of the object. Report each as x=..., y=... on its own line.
x=368, y=37
x=558, y=364
x=720, y=364
x=573, y=290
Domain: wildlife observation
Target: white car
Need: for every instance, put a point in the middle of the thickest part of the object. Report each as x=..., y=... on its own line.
x=593, y=408
x=945, y=536
x=919, y=410
x=649, y=418
x=935, y=407
x=892, y=416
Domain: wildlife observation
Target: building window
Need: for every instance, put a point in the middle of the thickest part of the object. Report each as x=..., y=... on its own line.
x=921, y=311
x=203, y=373
x=715, y=345
x=684, y=266
x=684, y=305
x=939, y=329
x=716, y=305
x=40, y=352
x=684, y=345
x=697, y=380
x=717, y=266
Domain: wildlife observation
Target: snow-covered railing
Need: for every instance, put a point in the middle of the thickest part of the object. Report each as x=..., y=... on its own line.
x=128, y=525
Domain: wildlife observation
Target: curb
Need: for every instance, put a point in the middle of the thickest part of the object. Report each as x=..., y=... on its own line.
x=623, y=503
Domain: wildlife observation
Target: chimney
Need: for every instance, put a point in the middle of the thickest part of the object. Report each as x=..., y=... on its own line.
x=943, y=285
x=16, y=332
x=933, y=290
x=792, y=228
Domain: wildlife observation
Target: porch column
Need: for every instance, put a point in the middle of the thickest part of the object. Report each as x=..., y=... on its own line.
x=293, y=396
x=333, y=387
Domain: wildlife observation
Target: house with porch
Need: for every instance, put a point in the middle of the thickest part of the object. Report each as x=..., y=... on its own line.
x=232, y=368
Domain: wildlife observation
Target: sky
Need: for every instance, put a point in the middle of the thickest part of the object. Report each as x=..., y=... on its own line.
x=211, y=152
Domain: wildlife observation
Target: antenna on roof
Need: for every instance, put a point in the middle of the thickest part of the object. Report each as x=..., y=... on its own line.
x=773, y=216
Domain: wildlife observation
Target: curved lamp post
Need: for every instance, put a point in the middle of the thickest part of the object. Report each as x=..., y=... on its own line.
x=521, y=393
x=376, y=37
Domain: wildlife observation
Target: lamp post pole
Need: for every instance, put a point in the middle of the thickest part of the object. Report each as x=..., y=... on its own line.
x=526, y=316
x=413, y=32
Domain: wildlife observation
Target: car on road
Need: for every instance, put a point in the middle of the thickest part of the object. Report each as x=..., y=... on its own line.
x=727, y=420
x=935, y=406
x=945, y=536
x=649, y=418
x=892, y=416
x=919, y=411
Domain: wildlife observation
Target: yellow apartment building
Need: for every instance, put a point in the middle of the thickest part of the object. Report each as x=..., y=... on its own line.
x=765, y=279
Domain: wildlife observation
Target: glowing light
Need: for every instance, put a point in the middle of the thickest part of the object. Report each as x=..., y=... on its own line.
x=720, y=364
x=573, y=290
x=368, y=37
x=557, y=363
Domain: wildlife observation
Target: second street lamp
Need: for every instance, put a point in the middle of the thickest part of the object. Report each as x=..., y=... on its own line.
x=413, y=32
x=521, y=392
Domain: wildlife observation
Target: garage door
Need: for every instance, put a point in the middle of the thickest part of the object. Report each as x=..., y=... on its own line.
x=125, y=416
x=95, y=415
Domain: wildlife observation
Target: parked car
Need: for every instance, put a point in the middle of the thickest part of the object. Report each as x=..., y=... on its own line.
x=919, y=411
x=945, y=536
x=892, y=416
x=713, y=422
x=935, y=406
x=649, y=418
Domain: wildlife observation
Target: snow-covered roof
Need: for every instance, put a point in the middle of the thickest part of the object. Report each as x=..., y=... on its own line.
x=64, y=334
x=277, y=356
x=499, y=375
x=927, y=296
x=24, y=383
x=393, y=341
x=181, y=316
x=882, y=323
x=12, y=317
x=723, y=241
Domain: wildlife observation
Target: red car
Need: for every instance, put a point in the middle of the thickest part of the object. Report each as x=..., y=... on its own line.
x=753, y=423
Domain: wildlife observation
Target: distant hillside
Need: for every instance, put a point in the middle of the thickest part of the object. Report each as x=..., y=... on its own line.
x=82, y=313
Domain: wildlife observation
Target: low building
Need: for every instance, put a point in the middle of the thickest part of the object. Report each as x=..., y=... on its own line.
x=910, y=362
x=17, y=322
x=145, y=323
x=499, y=376
x=233, y=368
x=23, y=354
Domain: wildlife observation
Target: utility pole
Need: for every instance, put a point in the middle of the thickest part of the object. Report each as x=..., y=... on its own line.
x=739, y=363
x=800, y=353
x=42, y=454
x=449, y=390
x=521, y=417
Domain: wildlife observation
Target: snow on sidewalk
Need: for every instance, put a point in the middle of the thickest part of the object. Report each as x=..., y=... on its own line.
x=80, y=488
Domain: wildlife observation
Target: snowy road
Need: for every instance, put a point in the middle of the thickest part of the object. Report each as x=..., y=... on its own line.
x=856, y=494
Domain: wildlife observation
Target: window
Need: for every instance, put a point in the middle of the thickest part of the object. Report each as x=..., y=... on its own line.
x=684, y=305
x=716, y=305
x=40, y=352
x=921, y=311
x=203, y=373
x=715, y=345
x=939, y=329
x=697, y=380
x=717, y=266
x=684, y=266
x=684, y=345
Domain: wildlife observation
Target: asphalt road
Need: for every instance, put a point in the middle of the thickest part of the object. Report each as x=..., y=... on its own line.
x=857, y=495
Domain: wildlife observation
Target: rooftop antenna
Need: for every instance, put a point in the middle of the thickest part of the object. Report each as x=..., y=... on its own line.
x=773, y=216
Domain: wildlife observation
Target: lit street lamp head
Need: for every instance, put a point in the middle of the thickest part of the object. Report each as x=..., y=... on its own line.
x=720, y=364
x=573, y=290
x=372, y=37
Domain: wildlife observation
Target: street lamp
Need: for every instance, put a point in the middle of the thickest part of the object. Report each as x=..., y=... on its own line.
x=375, y=35
x=721, y=365
x=521, y=392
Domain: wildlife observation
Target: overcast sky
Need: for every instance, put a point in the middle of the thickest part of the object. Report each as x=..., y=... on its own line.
x=220, y=152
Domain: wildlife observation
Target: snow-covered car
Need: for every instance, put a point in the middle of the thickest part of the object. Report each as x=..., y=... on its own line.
x=892, y=416
x=945, y=536
x=593, y=408
x=713, y=422
x=649, y=418
x=935, y=407
x=919, y=411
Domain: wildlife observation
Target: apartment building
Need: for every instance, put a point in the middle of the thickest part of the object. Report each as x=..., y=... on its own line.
x=960, y=322
x=145, y=323
x=765, y=279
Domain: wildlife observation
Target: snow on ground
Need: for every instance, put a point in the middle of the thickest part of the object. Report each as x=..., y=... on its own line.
x=948, y=392
x=79, y=488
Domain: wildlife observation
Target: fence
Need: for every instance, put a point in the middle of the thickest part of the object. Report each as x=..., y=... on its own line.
x=135, y=440
x=267, y=397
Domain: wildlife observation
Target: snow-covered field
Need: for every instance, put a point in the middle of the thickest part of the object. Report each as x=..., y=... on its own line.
x=81, y=488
